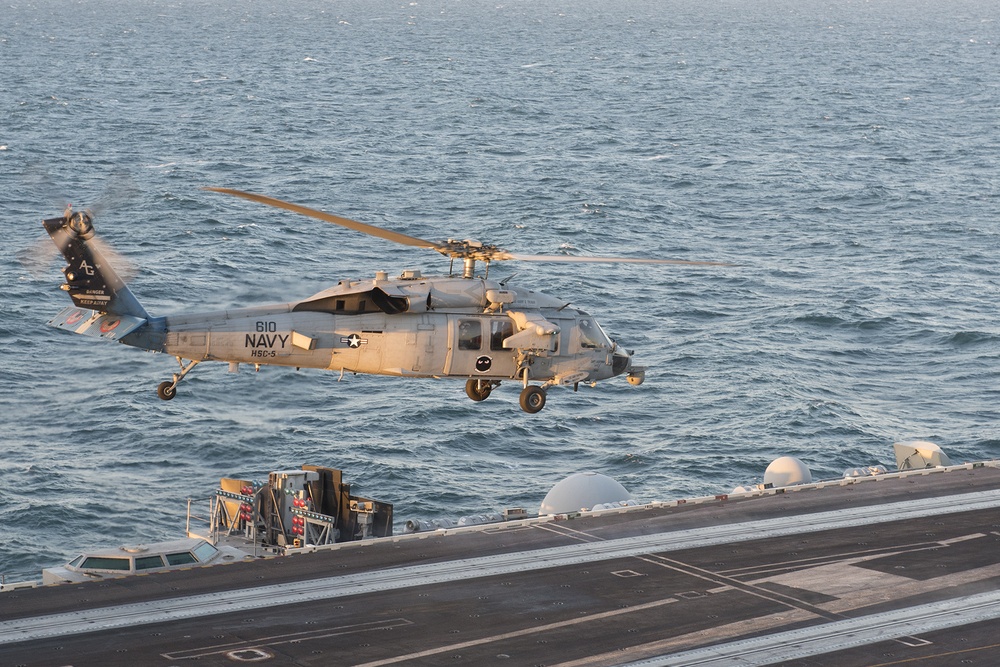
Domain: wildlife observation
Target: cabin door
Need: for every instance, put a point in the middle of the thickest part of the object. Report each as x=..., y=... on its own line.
x=476, y=346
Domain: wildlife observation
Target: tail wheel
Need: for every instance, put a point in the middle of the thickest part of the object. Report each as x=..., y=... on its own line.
x=532, y=399
x=166, y=390
x=478, y=390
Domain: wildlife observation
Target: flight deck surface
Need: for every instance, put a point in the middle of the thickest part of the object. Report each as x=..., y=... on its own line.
x=895, y=569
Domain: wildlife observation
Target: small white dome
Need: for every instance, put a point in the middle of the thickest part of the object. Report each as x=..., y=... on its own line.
x=581, y=491
x=919, y=454
x=787, y=471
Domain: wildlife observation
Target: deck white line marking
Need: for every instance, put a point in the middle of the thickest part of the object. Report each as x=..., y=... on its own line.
x=517, y=633
x=288, y=638
x=836, y=635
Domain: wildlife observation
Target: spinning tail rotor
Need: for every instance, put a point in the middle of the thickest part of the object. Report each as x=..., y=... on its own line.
x=91, y=281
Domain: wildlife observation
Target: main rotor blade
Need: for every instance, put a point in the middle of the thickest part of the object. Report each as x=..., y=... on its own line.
x=454, y=249
x=609, y=260
x=328, y=217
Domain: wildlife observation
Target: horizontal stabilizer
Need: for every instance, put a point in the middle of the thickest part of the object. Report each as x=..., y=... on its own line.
x=96, y=324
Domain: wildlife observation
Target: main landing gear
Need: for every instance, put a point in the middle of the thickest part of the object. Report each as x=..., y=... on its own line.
x=532, y=399
x=168, y=389
x=532, y=396
x=479, y=390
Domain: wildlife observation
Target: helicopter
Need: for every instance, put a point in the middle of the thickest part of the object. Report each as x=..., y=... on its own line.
x=463, y=325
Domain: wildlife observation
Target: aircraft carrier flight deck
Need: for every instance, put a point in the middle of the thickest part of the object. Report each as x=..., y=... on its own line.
x=896, y=569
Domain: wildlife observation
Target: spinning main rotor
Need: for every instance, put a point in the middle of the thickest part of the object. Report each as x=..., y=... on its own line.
x=468, y=251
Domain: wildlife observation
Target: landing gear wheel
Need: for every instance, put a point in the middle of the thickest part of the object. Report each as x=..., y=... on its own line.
x=532, y=399
x=166, y=390
x=478, y=390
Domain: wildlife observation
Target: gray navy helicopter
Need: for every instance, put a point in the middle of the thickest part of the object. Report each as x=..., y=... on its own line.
x=462, y=325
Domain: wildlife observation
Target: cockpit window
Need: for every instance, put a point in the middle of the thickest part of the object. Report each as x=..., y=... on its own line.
x=148, y=562
x=470, y=334
x=205, y=551
x=182, y=558
x=107, y=563
x=591, y=334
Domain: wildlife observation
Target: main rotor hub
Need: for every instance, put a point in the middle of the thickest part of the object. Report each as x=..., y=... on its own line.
x=468, y=268
x=466, y=250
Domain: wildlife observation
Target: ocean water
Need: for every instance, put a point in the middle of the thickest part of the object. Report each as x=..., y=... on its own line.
x=845, y=154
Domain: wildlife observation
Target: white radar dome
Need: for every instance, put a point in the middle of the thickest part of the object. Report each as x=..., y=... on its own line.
x=582, y=491
x=787, y=471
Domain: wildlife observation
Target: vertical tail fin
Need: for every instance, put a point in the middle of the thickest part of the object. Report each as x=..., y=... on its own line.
x=90, y=280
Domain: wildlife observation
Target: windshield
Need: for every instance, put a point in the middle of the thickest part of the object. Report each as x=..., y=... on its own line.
x=205, y=551
x=591, y=334
x=181, y=558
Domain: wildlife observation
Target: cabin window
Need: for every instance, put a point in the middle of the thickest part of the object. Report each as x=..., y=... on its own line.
x=182, y=558
x=470, y=334
x=107, y=563
x=499, y=330
x=205, y=551
x=148, y=562
x=340, y=304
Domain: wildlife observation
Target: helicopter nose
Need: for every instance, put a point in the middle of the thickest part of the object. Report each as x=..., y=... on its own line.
x=621, y=361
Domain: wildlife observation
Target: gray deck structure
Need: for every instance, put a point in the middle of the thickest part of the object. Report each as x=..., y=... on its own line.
x=893, y=569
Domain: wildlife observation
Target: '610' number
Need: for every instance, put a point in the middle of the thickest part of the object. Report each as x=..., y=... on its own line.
x=263, y=327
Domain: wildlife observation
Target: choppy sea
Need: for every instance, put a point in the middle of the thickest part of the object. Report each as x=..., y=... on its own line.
x=844, y=153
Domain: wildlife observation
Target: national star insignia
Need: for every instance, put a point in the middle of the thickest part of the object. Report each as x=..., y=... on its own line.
x=354, y=340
